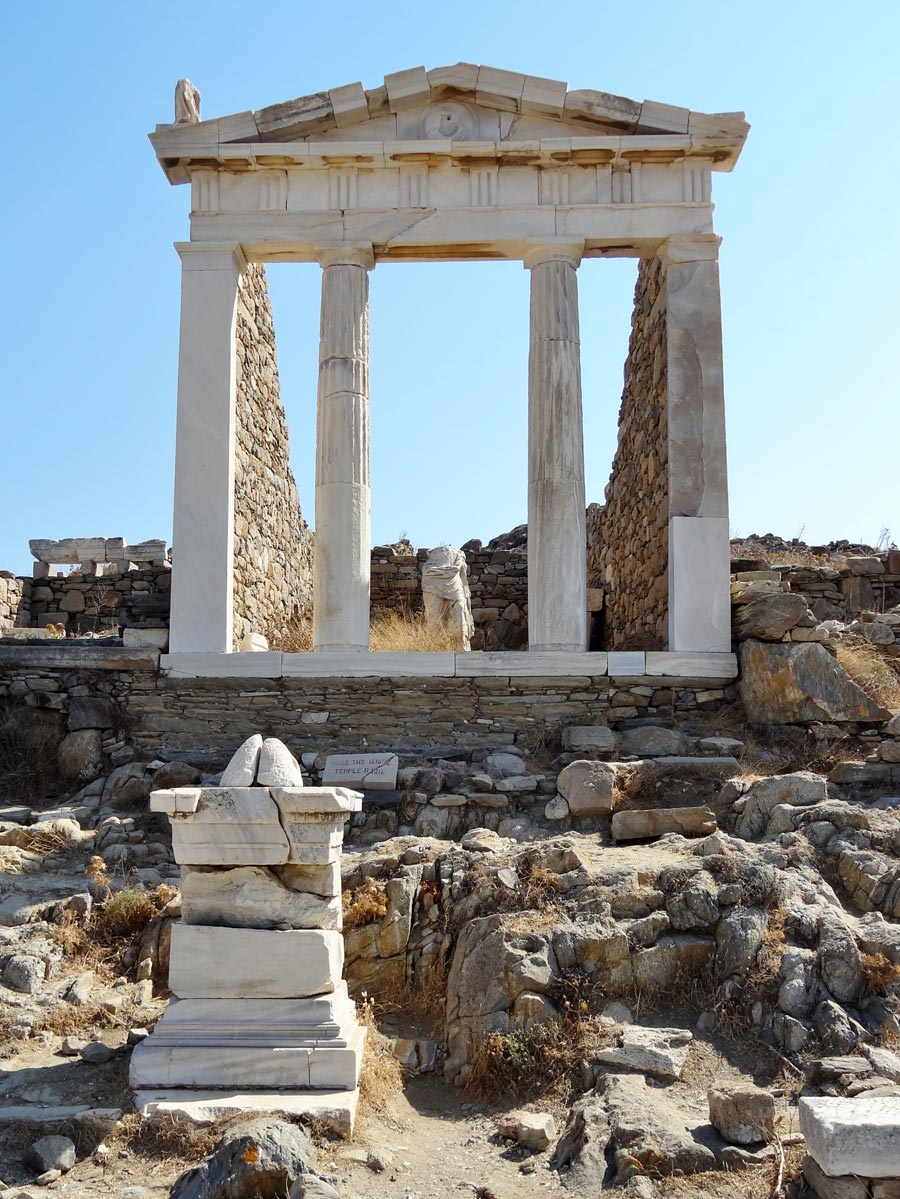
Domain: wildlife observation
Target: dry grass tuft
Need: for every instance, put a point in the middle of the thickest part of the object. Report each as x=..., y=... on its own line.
x=408, y=632
x=71, y=1020
x=297, y=638
x=389, y=632
x=365, y=905
x=167, y=1139
x=381, y=1079
x=878, y=972
x=878, y=675
x=113, y=928
x=28, y=743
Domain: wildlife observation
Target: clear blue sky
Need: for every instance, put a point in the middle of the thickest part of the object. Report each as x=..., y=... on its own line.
x=809, y=261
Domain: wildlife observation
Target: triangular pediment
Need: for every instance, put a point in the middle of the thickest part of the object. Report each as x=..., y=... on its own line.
x=461, y=103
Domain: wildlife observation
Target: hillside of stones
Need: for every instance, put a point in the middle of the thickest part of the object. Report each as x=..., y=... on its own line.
x=608, y=953
x=700, y=913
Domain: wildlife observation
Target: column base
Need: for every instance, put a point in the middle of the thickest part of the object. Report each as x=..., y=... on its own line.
x=554, y=647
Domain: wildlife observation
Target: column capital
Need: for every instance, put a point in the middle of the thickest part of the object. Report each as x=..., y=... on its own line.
x=697, y=247
x=211, y=255
x=552, y=249
x=341, y=254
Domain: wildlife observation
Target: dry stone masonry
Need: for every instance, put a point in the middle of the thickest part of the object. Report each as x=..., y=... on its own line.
x=273, y=546
x=255, y=964
x=628, y=537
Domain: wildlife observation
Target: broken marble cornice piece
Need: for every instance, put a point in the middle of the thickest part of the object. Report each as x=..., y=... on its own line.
x=326, y=800
x=231, y=826
x=277, y=766
x=241, y=770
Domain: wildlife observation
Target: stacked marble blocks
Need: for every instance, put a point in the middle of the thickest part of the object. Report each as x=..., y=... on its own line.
x=255, y=965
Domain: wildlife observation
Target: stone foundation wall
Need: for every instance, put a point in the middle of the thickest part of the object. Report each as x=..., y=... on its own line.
x=498, y=581
x=628, y=537
x=204, y=720
x=96, y=603
x=273, y=546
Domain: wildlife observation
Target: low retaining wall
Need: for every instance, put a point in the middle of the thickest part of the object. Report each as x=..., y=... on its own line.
x=205, y=719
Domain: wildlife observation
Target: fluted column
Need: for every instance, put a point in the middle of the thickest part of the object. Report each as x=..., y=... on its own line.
x=343, y=491
x=203, y=524
x=557, y=598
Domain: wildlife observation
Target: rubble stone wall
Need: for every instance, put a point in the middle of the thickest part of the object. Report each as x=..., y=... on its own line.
x=10, y=599
x=273, y=546
x=87, y=603
x=498, y=581
x=628, y=536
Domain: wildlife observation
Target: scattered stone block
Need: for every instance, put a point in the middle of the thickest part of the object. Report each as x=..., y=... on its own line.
x=853, y=1136
x=52, y=1153
x=588, y=787
x=661, y=1052
x=532, y=1130
x=598, y=737
x=743, y=1115
x=644, y=823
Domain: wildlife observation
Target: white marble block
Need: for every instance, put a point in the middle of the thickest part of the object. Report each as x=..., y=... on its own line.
x=244, y=963
x=699, y=584
x=235, y=826
x=252, y=897
x=853, y=1136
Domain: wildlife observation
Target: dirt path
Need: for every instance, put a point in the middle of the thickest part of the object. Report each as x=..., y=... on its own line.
x=441, y=1147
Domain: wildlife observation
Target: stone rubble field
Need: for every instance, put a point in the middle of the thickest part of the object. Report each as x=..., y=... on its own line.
x=625, y=960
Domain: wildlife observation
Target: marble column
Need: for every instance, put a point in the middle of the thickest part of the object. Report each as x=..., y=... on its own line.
x=557, y=596
x=343, y=490
x=203, y=525
x=699, y=552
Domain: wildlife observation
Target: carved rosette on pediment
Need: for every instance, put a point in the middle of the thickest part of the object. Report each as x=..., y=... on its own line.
x=451, y=120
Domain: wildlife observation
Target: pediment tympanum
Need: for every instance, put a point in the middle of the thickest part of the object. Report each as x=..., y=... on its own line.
x=462, y=111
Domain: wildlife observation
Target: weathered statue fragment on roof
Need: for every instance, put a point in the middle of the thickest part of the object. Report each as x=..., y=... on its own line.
x=187, y=103
x=445, y=591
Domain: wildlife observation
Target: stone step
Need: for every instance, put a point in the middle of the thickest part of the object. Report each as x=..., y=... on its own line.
x=335, y=1108
x=641, y=824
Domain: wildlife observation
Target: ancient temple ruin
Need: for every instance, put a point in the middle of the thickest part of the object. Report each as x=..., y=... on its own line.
x=464, y=163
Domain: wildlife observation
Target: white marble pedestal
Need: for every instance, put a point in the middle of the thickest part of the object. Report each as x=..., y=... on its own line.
x=260, y=1018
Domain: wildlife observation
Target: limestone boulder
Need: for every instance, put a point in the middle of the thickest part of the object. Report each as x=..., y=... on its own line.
x=673, y=956
x=742, y=1115
x=654, y=742
x=769, y=617
x=580, y=738
x=649, y=1133
x=80, y=755
x=800, y=789
x=277, y=765
x=265, y=1156
x=739, y=935
x=789, y=684
x=588, y=787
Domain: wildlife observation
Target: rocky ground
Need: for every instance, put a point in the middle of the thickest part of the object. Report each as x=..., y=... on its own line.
x=554, y=1012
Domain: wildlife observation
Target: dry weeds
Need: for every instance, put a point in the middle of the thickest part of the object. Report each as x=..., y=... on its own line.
x=381, y=1079
x=365, y=905
x=389, y=632
x=878, y=972
x=28, y=744
x=167, y=1139
x=878, y=675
